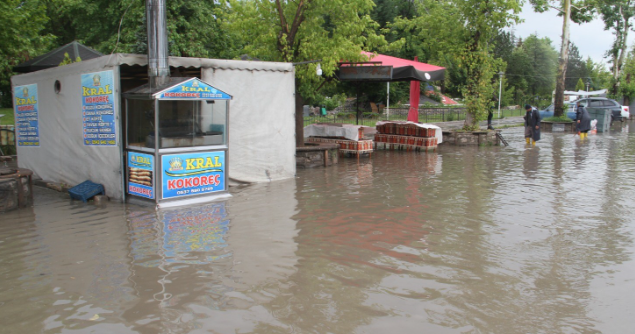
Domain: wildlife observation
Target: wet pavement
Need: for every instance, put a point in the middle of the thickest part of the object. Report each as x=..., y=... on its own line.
x=465, y=240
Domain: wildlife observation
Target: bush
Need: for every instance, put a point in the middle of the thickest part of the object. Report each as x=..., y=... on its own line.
x=330, y=103
x=346, y=115
x=435, y=96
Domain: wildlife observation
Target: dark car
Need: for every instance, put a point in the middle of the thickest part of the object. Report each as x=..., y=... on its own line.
x=590, y=102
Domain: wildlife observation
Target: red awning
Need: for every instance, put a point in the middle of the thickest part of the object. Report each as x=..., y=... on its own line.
x=399, y=62
x=400, y=70
x=406, y=70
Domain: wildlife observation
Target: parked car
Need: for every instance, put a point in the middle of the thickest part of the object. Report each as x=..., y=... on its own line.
x=618, y=111
x=548, y=112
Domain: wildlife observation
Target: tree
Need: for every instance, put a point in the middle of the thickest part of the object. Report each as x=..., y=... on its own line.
x=304, y=31
x=570, y=10
x=120, y=26
x=599, y=76
x=482, y=20
x=22, y=38
x=627, y=84
x=617, y=16
x=580, y=85
x=576, y=69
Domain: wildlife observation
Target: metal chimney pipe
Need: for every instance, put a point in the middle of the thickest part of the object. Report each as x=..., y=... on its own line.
x=158, y=66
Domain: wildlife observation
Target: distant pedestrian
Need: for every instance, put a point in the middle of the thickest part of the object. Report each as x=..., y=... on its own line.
x=490, y=115
x=532, y=124
x=583, y=120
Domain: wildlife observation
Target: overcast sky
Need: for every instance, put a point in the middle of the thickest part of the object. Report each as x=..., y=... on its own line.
x=590, y=38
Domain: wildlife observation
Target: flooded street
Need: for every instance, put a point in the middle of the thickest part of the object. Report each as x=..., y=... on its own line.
x=465, y=240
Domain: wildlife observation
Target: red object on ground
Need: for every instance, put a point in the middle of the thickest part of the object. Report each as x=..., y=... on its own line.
x=447, y=100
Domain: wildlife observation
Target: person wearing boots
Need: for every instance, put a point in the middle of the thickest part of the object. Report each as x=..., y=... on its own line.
x=532, y=124
x=583, y=120
x=490, y=115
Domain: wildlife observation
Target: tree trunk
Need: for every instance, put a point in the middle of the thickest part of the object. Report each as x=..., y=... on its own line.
x=564, y=58
x=299, y=120
x=622, y=38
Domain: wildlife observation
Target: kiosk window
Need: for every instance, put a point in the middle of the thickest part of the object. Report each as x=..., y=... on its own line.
x=191, y=123
x=140, y=123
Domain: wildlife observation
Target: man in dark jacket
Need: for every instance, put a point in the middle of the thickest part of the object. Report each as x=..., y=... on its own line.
x=532, y=124
x=583, y=120
x=490, y=114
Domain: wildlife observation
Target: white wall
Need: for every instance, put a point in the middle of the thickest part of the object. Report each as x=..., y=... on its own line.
x=261, y=131
x=62, y=155
x=261, y=122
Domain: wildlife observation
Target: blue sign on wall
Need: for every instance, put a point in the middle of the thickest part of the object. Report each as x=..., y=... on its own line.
x=193, y=89
x=26, y=115
x=141, y=174
x=98, y=109
x=191, y=174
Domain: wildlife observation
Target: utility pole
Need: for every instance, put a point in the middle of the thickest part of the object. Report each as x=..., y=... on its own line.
x=500, y=94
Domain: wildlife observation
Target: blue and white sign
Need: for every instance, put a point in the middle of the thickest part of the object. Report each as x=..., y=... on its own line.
x=140, y=174
x=26, y=115
x=191, y=174
x=193, y=89
x=98, y=109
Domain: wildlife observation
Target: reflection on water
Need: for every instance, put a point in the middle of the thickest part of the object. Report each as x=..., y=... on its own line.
x=465, y=240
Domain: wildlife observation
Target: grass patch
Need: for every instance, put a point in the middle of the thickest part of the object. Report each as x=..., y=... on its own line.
x=558, y=119
x=8, y=118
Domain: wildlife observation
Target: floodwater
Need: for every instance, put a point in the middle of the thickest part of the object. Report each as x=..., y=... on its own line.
x=464, y=240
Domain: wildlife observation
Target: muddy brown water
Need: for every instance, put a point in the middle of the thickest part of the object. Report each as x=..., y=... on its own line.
x=464, y=240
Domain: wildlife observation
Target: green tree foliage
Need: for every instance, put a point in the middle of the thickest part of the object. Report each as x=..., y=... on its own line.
x=576, y=69
x=579, y=86
x=627, y=79
x=618, y=17
x=22, y=36
x=120, y=26
x=304, y=30
x=577, y=11
x=483, y=19
x=599, y=76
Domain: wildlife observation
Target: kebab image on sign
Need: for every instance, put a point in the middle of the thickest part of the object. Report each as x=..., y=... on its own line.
x=140, y=176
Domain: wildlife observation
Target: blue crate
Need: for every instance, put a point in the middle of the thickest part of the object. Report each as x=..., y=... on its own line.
x=85, y=190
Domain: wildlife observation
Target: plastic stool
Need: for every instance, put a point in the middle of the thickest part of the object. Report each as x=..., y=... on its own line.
x=86, y=190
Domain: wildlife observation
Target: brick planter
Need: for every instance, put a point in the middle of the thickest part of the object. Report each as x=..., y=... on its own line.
x=565, y=127
x=316, y=155
x=476, y=138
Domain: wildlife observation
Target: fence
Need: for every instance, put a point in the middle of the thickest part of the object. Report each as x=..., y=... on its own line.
x=7, y=139
x=426, y=115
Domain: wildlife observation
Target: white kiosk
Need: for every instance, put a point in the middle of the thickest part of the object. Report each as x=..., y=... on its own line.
x=176, y=143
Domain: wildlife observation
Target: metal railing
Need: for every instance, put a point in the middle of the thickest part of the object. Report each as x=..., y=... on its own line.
x=426, y=115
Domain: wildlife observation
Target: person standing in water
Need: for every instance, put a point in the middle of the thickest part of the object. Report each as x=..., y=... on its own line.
x=583, y=120
x=532, y=124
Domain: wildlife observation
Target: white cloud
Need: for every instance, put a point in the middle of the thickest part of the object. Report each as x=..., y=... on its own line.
x=590, y=38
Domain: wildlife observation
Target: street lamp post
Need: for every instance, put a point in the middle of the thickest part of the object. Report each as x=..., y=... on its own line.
x=500, y=91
